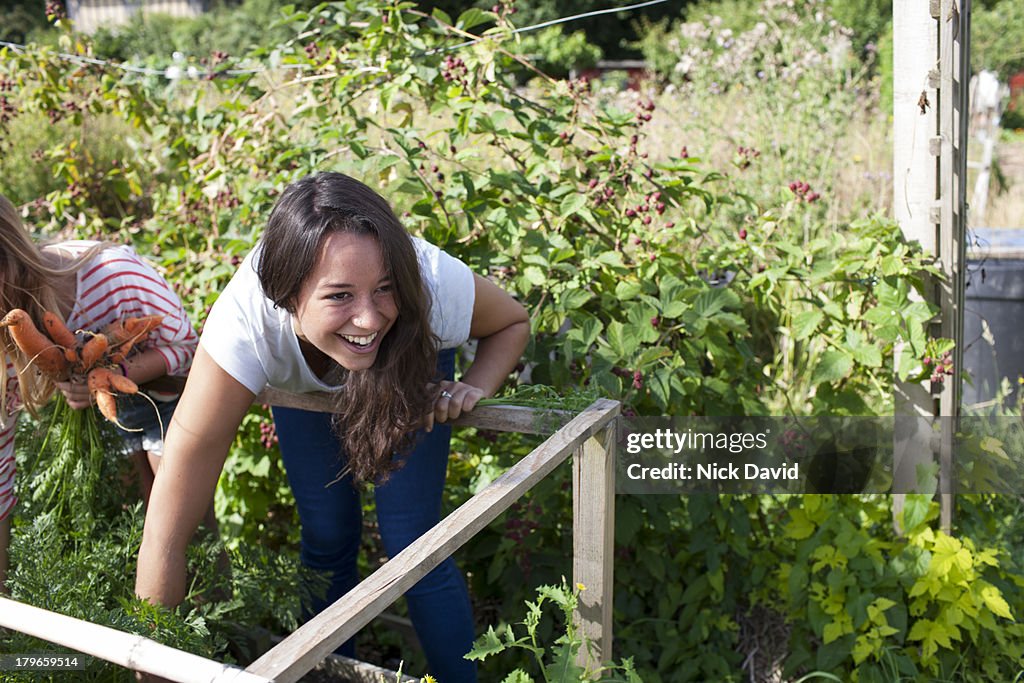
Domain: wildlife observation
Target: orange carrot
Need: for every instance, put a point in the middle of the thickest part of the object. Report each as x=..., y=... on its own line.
x=60, y=333
x=122, y=384
x=98, y=382
x=116, y=332
x=41, y=351
x=122, y=352
x=94, y=350
x=139, y=328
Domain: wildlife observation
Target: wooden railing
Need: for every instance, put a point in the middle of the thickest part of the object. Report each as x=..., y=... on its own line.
x=590, y=435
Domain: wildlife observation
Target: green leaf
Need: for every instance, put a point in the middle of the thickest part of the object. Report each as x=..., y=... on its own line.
x=806, y=323
x=994, y=600
x=711, y=301
x=535, y=276
x=832, y=366
x=473, y=17
x=621, y=341
x=627, y=289
x=486, y=645
x=833, y=631
x=563, y=668
x=586, y=333
x=915, y=511
x=575, y=299
x=868, y=355
x=572, y=204
x=673, y=309
x=800, y=525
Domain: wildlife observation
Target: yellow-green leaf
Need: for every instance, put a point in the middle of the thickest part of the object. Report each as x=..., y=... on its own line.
x=995, y=602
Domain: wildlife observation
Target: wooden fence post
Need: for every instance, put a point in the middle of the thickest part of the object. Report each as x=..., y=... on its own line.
x=930, y=74
x=593, y=542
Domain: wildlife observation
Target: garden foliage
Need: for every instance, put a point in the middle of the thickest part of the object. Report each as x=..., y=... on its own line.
x=652, y=276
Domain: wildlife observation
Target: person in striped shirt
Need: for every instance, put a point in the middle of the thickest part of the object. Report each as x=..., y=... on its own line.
x=91, y=284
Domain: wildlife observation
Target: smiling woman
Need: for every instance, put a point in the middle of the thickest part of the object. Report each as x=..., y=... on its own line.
x=338, y=297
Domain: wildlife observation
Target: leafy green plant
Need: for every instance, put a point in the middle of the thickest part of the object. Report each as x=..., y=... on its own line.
x=558, y=54
x=556, y=661
x=67, y=471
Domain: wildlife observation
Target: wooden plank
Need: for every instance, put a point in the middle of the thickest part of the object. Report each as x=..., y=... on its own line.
x=593, y=543
x=954, y=32
x=496, y=418
x=125, y=649
x=915, y=35
x=915, y=123
x=301, y=651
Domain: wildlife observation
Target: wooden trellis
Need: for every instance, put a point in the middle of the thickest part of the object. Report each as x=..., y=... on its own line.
x=931, y=73
x=590, y=436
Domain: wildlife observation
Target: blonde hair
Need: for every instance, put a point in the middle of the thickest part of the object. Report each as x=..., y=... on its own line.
x=27, y=281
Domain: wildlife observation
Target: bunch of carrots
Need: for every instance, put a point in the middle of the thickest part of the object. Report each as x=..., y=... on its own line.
x=60, y=355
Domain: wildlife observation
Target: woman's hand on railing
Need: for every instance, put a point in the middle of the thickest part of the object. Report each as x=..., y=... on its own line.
x=455, y=399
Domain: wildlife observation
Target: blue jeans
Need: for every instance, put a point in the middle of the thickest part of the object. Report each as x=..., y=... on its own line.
x=408, y=505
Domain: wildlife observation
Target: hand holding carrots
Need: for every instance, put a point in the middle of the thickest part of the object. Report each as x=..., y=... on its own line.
x=84, y=372
x=76, y=392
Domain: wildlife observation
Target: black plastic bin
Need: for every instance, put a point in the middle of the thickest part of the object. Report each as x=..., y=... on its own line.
x=994, y=298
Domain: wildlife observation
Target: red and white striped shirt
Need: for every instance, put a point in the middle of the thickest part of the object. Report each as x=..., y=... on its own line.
x=115, y=284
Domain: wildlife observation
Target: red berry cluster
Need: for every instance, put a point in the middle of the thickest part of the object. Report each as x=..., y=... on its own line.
x=651, y=204
x=55, y=10
x=312, y=51
x=268, y=434
x=57, y=114
x=579, y=86
x=7, y=110
x=644, y=115
x=605, y=194
x=794, y=441
x=454, y=70
x=803, y=192
x=940, y=367
x=218, y=56
x=226, y=199
x=745, y=156
x=6, y=85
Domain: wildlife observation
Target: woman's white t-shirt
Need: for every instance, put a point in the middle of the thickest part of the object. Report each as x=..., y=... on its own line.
x=254, y=342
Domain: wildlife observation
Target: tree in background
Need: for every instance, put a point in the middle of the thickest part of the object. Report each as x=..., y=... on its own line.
x=18, y=18
x=997, y=37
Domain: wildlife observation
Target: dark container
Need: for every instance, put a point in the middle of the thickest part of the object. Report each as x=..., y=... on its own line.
x=994, y=314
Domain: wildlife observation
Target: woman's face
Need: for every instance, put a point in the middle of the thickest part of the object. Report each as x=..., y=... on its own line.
x=346, y=305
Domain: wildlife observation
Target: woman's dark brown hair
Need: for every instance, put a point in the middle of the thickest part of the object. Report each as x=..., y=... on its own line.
x=380, y=408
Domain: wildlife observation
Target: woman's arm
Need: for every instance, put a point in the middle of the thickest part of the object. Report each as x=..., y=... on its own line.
x=502, y=326
x=204, y=425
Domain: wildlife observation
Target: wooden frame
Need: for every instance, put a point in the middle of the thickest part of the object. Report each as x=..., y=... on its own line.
x=591, y=436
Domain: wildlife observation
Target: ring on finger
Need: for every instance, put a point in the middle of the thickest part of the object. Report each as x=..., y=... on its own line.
x=445, y=394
